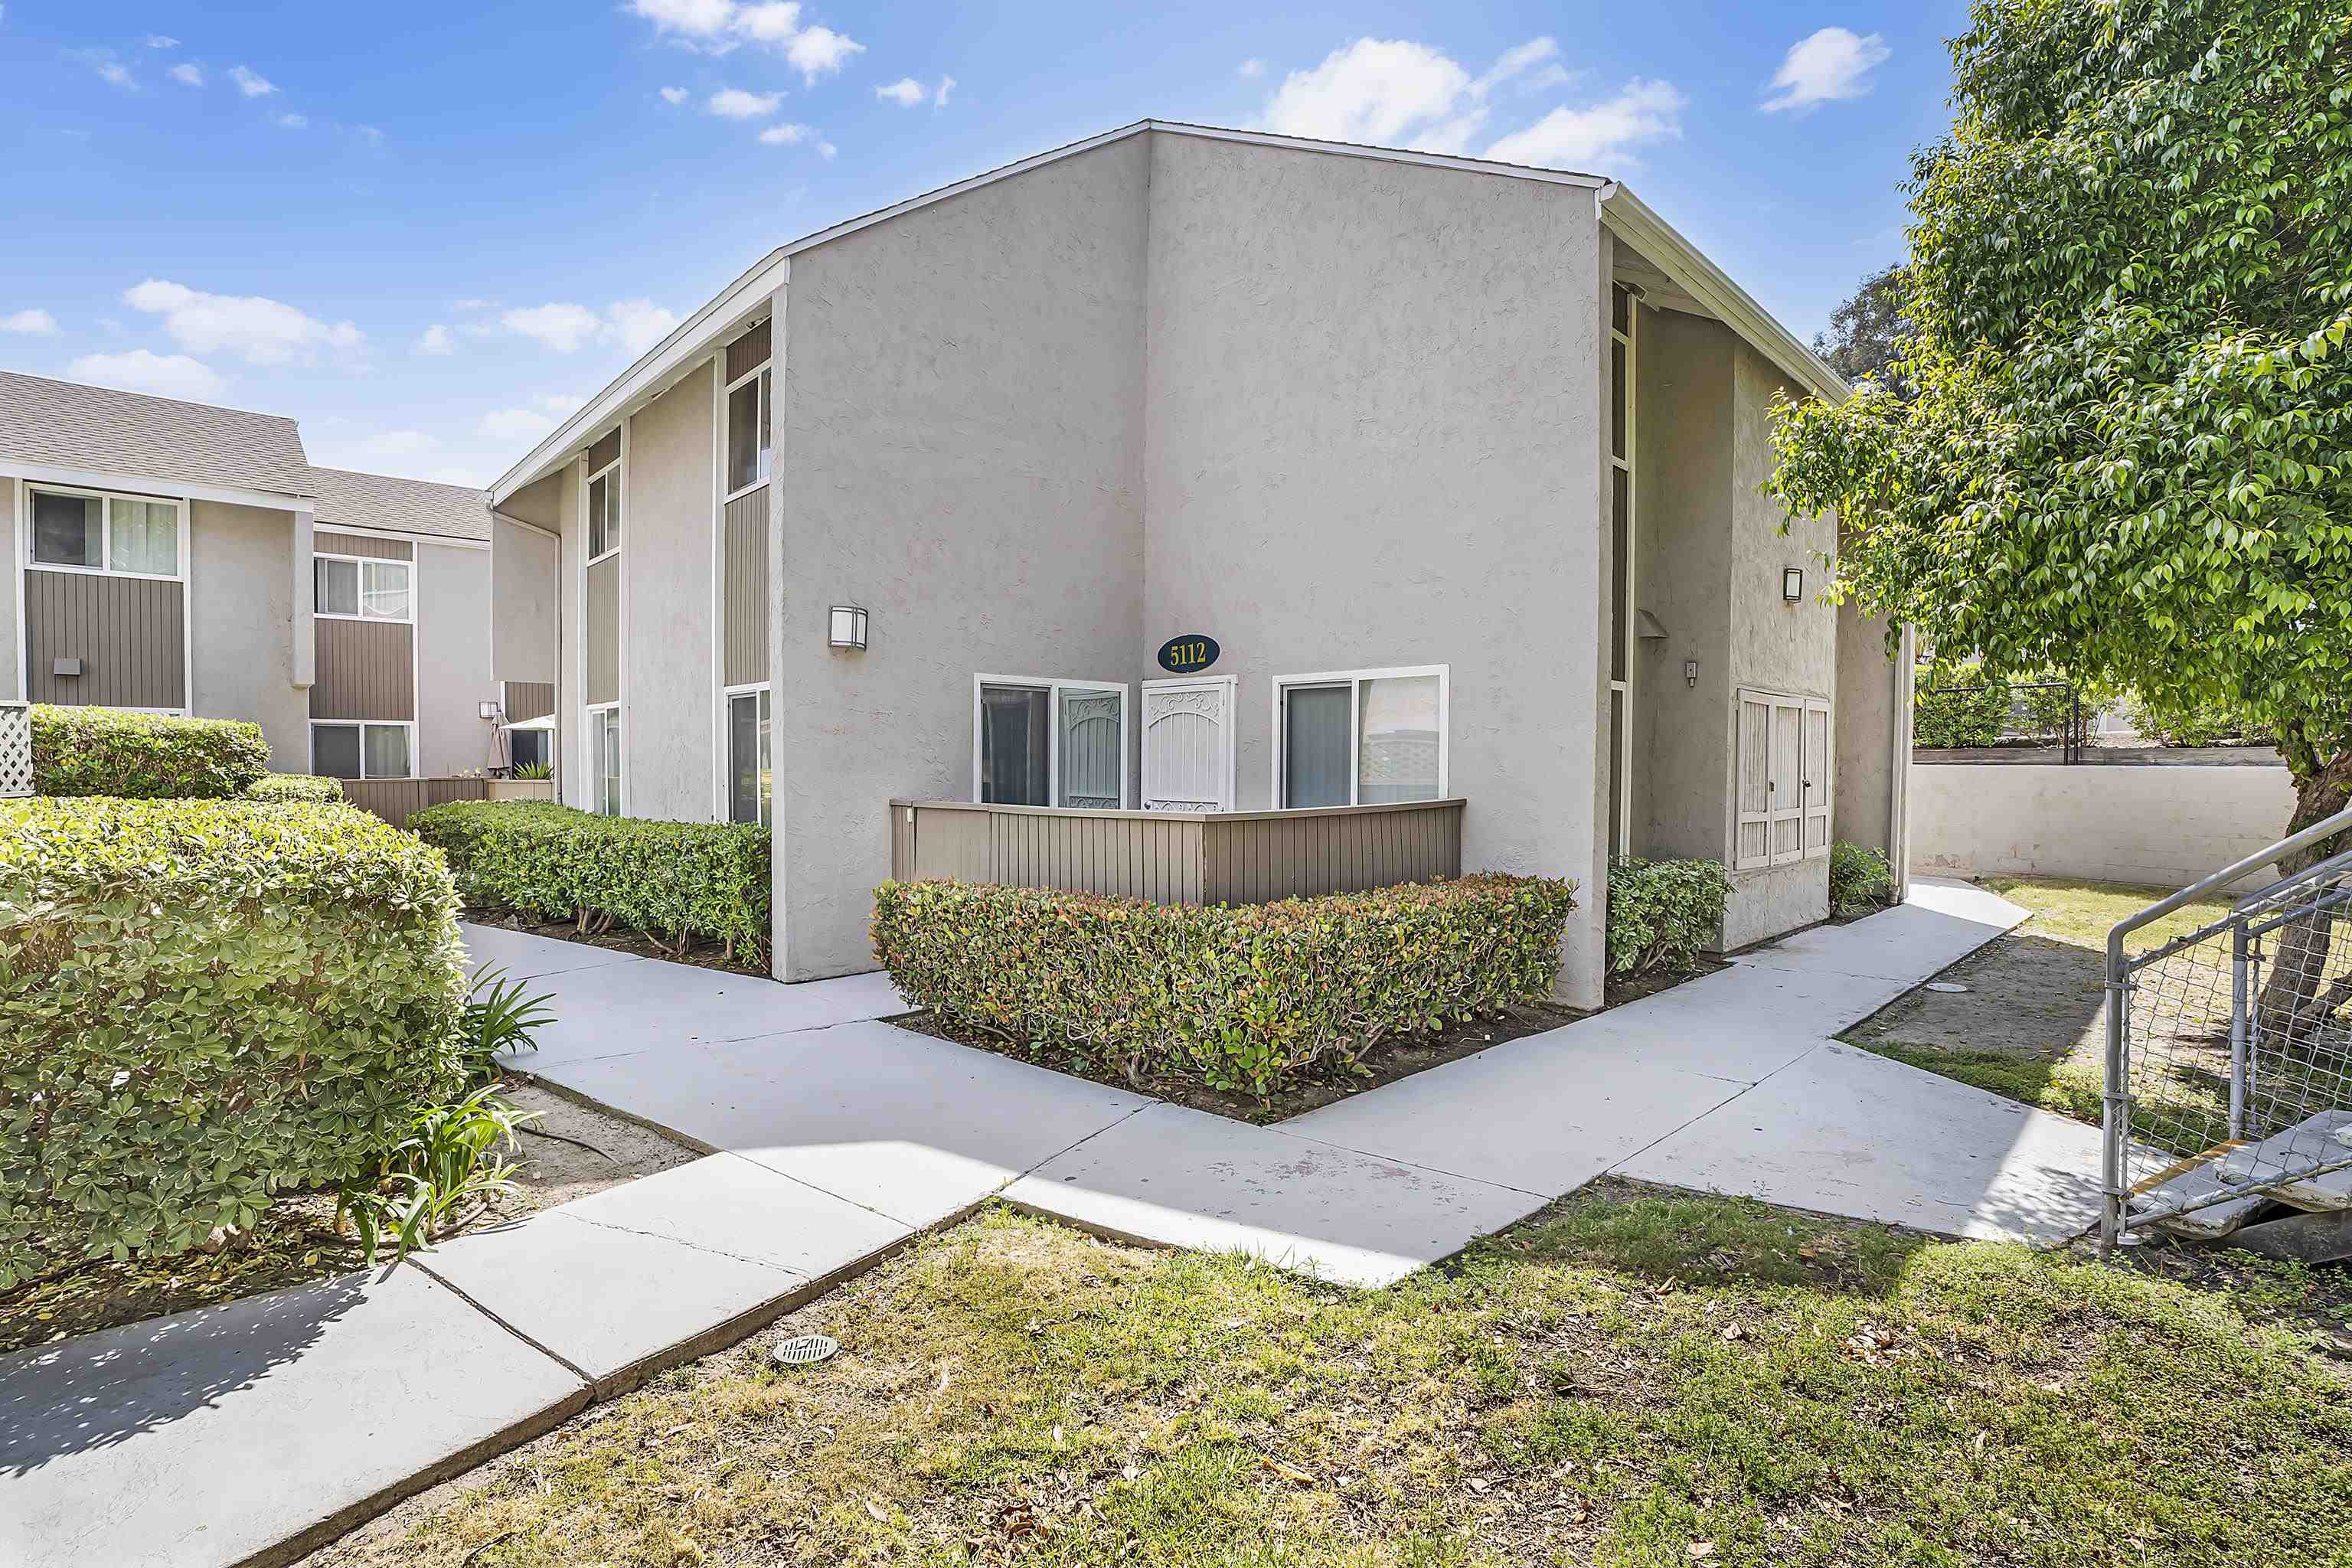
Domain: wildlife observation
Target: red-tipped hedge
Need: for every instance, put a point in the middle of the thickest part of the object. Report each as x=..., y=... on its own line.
x=1250, y=999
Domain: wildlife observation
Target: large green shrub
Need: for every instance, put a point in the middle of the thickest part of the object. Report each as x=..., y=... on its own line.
x=1859, y=880
x=1664, y=913
x=306, y=789
x=201, y=1003
x=2210, y=724
x=1954, y=706
x=143, y=756
x=1247, y=999
x=671, y=881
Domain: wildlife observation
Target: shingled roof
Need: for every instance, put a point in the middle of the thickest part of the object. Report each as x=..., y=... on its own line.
x=66, y=424
x=400, y=506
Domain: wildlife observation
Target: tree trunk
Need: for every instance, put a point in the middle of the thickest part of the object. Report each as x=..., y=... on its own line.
x=2297, y=953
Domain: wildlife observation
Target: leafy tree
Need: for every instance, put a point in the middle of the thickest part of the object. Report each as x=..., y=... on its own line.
x=1866, y=332
x=2127, y=453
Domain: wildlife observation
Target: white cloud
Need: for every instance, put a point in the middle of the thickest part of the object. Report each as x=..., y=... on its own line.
x=639, y=324
x=294, y=122
x=1398, y=93
x=543, y=414
x=906, y=93
x=1604, y=133
x=560, y=326
x=715, y=26
x=939, y=99
x=675, y=95
x=472, y=304
x=112, y=71
x=165, y=375
x=369, y=134
x=1252, y=68
x=33, y=321
x=1829, y=65
x=264, y=331
x=158, y=41
x=437, y=341
x=250, y=82
x=188, y=75
x=734, y=103
x=827, y=151
x=787, y=135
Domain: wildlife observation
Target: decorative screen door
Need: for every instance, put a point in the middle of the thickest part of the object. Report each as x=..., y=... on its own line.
x=1187, y=743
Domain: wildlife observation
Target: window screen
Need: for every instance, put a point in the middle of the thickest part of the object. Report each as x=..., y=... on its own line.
x=68, y=531
x=1015, y=742
x=339, y=587
x=746, y=434
x=335, y=750
x=749, y=777
x=604, y=513
x=604, y=740
x=1315, y=746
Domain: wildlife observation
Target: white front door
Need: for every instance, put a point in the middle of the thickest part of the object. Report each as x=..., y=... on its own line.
x=1187, y=743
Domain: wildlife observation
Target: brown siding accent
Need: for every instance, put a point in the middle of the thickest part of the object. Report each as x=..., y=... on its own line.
x=748, y=352
x=394, y=799
x=529, y=700
x=745, y=575
x=604, y=631
x=325, y=544
x=606, y=452
x=129, y=633
x=1169, y=858
x=367, y=669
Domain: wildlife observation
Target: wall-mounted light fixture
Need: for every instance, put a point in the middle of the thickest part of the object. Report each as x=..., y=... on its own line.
x=491, y=711
x=1793, y=584
x=848, y=626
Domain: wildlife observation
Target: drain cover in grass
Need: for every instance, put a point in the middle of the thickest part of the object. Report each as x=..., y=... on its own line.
x=1948, y=987
x=804, y=1349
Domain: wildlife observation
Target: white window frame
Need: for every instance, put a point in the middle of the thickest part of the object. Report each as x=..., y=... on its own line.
x=1811, y=797
x=105, y=531
x=363, y=562
x=1354, y=679
x=1055, y=688
x=727, y=697
x=1622, y=784
x=613, y=490
x=364, y=725
x=596, y=760
x=765, y=408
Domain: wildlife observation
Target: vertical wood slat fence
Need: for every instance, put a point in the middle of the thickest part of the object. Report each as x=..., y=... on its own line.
x=1168, y=858
x=394, y=799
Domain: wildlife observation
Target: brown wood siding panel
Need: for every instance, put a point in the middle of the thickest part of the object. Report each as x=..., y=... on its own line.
x=606, y=452
x=745, y=591
x=129, y=633
x=604, y=631
x=748, y=352
x=325, y=544
x=529, y=700
x=394, y=799
x=367, y=669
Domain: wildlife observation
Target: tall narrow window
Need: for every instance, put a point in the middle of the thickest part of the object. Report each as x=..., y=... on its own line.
x=1015, y=745
x=750, y=776
x=604, y=754
x=749, y=451
x=1372, y=737
x=1624, y=435
x=604, y=513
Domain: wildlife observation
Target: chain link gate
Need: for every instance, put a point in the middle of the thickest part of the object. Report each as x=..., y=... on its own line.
x=2229, y=1071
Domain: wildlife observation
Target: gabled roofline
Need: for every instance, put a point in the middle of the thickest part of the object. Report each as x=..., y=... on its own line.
x=1625, y=215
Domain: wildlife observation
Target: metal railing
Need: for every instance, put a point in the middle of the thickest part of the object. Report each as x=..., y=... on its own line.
x=2229, y=1055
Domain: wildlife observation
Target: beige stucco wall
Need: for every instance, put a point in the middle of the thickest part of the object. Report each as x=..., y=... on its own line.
x=553, y=503
x=1373, y=399
x=525, y=627
x=668, y=656
x=2151, y=826
x=453, y=660
x=1867, y=716
x=241, y=606
x=956, y=450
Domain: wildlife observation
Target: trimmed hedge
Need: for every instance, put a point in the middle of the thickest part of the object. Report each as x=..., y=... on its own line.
x=1859, y=880
x=1664, y=913
x=143, y=756
x=1976, y=715
x=1250, y=999
x=671, y=881
x=203, y=1003
x=305, y=789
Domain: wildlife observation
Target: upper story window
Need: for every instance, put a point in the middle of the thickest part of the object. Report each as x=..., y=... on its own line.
x=749, y=446
x=603, y=513
x=88, y=531
x=361, y=589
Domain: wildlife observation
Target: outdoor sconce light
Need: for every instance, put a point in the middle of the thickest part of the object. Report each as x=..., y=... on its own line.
x=848, y=626
x=486, y=710
x=1793, y=584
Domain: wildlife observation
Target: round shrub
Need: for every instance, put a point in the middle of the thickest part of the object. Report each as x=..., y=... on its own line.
x=1664, y=913
x=143, y=756
x=304, y=789
x=203, y=1003
x=1250, y=999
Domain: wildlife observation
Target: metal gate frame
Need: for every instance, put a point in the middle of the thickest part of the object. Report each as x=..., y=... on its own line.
x=2320, y=889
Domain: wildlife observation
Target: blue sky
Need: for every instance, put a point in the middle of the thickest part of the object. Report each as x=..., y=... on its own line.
x=428, y=234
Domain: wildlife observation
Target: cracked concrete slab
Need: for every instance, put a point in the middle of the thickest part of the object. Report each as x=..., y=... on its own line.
x=650, y=1007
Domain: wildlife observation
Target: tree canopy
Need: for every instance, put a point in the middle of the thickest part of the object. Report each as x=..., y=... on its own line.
x=1867, y=330
x=2128, y=448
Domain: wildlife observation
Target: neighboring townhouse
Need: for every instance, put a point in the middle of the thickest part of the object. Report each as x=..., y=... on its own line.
x=181, y=558
x=1456, y=462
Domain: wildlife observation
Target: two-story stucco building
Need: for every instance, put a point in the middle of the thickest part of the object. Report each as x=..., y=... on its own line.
x=1455, y=462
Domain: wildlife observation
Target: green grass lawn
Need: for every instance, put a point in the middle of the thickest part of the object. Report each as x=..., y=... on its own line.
x=2084, y=912
x=1630, y=1378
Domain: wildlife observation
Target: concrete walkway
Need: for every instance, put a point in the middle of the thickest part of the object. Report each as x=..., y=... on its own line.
x=253, y=1431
